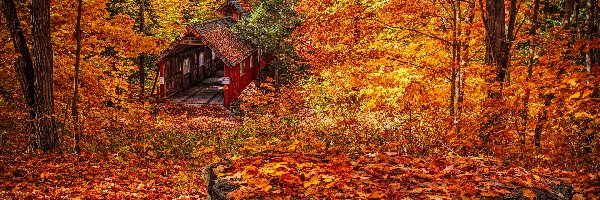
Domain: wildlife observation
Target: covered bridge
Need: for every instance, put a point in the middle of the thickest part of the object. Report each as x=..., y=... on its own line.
x=208, y=63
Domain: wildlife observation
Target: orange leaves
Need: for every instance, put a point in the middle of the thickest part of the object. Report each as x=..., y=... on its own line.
x=95, y=176
x=261, y=184
x=380, y=176
x=529, y=194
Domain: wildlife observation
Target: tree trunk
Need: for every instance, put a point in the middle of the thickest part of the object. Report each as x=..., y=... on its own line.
x=575, y=20
x=456, y=66
x=142, y=57
x=464, y=61
x=277, y=78
x=24, y=65
x=356, y=20
x=75, y=112
x=568, y=13
x=47, y=137
x=591, y=33
x=496, y=54
x=531, y=56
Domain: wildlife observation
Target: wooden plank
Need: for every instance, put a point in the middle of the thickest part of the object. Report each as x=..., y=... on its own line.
x=217, y=99
x=192, y=41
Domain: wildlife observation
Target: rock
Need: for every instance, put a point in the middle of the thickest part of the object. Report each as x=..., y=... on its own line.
x=218, y=189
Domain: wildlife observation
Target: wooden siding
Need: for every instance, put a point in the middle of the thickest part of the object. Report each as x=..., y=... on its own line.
x=239, y=82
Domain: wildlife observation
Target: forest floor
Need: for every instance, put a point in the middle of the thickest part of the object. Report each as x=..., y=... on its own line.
x=385, y=175
x=281, y=173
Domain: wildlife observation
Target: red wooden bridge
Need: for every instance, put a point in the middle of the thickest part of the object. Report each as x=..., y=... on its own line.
x=208, y=63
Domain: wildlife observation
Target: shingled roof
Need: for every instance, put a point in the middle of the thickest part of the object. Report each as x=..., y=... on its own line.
x=237, y=4
x=227, y=45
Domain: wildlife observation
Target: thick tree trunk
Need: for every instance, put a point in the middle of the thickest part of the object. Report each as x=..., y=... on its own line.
x=24, y=64
x=499, y=36
x=496, y=54
x=75, y=111
x=356, y=19
x=574, y=20
x=47, y=138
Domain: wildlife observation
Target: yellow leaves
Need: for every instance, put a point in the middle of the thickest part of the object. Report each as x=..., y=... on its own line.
x=314, y=180
x=529, y=194
x=583, y=115
x=575, y=96
x=581, y=96
x=262, y=184
x=579, y=197
x=572, y=82
x=294, y=145
x=203, y=151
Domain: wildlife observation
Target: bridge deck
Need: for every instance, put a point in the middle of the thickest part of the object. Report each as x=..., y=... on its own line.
x=210, y=91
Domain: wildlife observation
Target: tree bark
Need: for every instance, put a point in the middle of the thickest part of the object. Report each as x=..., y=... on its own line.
x=75, y=112
x=46, y=135
x=498, y=40
x=591, y=33
x=496, y=54
x=356, y=19
x=24, y=65
x=456, y=65
x=142, y=57
x=568, y=13
x=464, y=61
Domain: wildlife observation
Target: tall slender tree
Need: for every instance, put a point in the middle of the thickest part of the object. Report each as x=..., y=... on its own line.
x=591, y=19
x=142, y=57
x=75, y=112
x=530, y=61
x=24, y=65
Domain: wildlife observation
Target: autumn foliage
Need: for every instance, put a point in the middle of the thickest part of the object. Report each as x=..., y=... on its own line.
x=365, y=99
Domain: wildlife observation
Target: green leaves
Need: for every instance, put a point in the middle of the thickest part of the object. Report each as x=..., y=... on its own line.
x=270, y=27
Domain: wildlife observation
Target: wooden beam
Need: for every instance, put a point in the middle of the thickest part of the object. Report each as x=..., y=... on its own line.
x=190, y=41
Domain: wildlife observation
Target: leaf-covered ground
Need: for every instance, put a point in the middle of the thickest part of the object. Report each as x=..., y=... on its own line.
x=389, y=175
x=98, y=176
x=169, y=165
x=359, y=176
